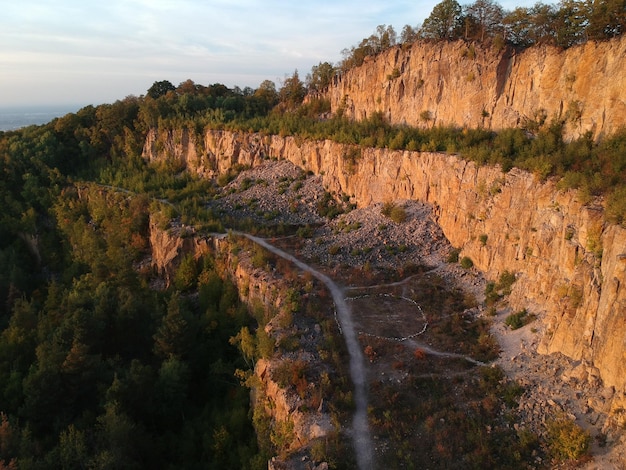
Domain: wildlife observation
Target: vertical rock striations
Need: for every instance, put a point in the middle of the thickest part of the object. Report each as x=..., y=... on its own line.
x=466, y=84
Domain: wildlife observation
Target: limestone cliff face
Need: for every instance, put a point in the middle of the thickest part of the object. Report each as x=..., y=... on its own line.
x=464, y=84
x=570, y=265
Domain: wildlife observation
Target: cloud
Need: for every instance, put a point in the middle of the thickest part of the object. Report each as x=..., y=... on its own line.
x=99, y=50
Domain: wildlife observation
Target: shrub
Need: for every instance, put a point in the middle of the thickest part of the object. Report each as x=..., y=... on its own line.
x=328, y=207
x=426, y=115
x=394, y=74
x=491, y=294
x=495, y=291
x=466, y=262
x=483, y=239
x=567, y=440
x=616, y=206
x=260, y=258
x=453, y=256
x=505, y=282
x=305, y=232
x=394, y=212
x=398, y=214
x=419, y=354
x=518, y=319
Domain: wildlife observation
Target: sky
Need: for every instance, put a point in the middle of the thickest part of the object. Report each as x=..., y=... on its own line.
x=75, y=53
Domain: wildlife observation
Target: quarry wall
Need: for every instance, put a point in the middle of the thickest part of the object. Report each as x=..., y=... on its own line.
x=466, y=84
x=570, y=264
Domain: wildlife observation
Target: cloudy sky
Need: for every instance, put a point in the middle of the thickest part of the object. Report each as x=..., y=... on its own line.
x=91, y=52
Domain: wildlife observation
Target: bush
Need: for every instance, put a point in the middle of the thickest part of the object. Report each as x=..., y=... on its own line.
x=305, y=232
x=260, y=257
x=616, y=206
x=466, y=262
x=491, y=294
x=505, y=282
x=453, y=256
x=567, y=440
x=495, y=291
x=518, y=319
x=394, y=212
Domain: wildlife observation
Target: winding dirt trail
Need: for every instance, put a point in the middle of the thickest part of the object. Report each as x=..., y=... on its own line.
x=362, y=438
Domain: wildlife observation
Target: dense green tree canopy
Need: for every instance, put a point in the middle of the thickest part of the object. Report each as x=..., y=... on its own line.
x=444, y=21
x=159, y=89
x=320, y=77
x=293, y=91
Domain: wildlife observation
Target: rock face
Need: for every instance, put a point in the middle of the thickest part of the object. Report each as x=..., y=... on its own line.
x=464, y=84
x=255, y=287
x=169, y=247
x=569, y=264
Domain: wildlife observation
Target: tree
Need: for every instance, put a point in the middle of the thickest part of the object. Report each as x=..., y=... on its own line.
x=188, y=87
x=443, y=22
x=246, y=343
x=187, y=273
x=9, y=443
x=293, y=91
x=570, y=23
x=265, y=97
x=175, y=335
x=543, y=17
x=607, y=18
x=320, y=77
x=384, y=38
x=171, y=390
x=518, y=27
x=73, y=449
x=483, y=19
x=409, y=34
x=118, y=440
x=159, y=89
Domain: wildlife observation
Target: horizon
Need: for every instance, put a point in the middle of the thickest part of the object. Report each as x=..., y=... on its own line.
x=98, y=54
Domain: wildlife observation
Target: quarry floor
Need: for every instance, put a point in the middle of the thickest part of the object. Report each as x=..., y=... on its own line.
x=279, y=192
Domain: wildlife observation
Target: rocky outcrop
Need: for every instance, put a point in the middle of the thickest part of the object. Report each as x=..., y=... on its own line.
x=466, y=84
x=569, y=263
x=169, y=247
x=256, y=287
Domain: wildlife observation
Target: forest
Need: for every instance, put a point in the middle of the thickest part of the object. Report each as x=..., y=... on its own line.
x=563, y=24
x=99, y=370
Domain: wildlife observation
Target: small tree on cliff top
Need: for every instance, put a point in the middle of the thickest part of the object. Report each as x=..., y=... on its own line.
x=444, y=21
x=293, y=91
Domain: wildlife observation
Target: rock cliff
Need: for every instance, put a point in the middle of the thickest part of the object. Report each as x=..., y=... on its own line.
x=170, y=246
x=286, y=409
x=465, y=84
x=569, y=263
